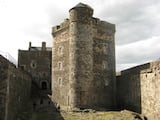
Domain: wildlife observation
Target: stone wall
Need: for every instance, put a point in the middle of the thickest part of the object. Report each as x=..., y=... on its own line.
x=37, y=62
x=60, y=65
x=138, y=90
x=16, y=90
x=3, y=86
x=104, y=64
x=86, y=69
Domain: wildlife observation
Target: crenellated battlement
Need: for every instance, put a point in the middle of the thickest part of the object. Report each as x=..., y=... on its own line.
x=63, y=25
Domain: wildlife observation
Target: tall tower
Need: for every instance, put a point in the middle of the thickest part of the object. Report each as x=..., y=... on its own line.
x=83, y=61
x=81, y=54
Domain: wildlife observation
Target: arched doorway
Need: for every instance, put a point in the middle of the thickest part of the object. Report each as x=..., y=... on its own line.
x=44, y=85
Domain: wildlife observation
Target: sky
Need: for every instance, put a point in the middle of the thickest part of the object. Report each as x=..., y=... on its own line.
x=137, y=26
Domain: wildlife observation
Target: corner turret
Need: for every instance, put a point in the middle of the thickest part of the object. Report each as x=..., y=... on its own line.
x=81, y=13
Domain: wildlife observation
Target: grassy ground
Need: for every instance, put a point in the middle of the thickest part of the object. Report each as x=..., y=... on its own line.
x=124, y=115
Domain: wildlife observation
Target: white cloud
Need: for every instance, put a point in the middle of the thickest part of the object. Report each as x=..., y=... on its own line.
x=137, y=53
x=137, y=25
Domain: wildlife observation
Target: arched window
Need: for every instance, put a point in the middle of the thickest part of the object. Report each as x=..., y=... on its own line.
x=60, y=65
x=44, y=85
x=33, y=64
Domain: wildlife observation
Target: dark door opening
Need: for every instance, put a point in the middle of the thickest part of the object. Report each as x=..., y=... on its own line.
x=44, y=85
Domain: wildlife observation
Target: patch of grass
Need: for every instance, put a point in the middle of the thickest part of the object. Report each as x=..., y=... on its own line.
x=108, y=114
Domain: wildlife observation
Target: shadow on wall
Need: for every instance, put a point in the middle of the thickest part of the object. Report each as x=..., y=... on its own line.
x=129, y=88
x=42, y=106
x=50, y=112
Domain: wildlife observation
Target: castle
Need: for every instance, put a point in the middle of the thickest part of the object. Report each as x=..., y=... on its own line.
x=83, y=61
x=78, y=72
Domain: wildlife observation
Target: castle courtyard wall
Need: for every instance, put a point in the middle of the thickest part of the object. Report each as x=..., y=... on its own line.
x=138, y=89
x=16, y=90
x=3, y=86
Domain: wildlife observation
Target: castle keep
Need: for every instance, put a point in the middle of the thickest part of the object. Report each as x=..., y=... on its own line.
x=83, y=61
x=79, y=72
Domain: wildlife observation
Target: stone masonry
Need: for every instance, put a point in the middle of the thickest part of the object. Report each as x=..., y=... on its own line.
x=138, y=89
x=15, y=86
x=83, y=61
x=36, y=61
x=81, y=64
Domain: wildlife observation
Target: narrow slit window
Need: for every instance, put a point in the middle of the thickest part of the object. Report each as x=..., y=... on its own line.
x=60, y=50
x=60, y=81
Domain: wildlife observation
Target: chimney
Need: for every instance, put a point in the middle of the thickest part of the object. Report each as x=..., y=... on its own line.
x=43, y=46
x=30, y=45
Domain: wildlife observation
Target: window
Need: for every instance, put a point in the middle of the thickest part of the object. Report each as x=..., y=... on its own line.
x=22, y=67
x=106, y=82
x=58, y=27
x=105, y=48
x=33, y=64
x=104, y=65
x=60, y=81
x=60, y=65
x=19, y=99
x=60, y=50
x=41, y=101
x=44, y=85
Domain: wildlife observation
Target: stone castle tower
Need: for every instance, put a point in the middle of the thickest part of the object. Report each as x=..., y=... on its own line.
x=83, y=61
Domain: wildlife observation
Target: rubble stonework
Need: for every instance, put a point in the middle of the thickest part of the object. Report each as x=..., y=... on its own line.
x=83, y=61
x=81, y=64
x=15, y=86
x=36, y=61
x=138, y=89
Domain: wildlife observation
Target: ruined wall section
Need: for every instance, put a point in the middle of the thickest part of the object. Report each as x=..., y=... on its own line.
x=104, y=64
x=60, y=64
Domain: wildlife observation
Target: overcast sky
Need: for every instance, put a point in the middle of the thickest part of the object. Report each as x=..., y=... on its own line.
x=137, y=25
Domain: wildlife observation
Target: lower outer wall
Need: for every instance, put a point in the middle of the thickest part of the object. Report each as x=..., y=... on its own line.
x=139, y=91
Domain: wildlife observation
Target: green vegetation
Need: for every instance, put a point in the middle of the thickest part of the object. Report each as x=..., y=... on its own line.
x=122, y=115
